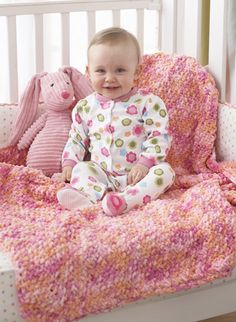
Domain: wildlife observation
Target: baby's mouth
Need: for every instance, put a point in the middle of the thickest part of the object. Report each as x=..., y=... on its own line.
x=111, y=87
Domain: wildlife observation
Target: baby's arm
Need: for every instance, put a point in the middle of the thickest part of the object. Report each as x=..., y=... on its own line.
x=77, y=144
x=66, y=173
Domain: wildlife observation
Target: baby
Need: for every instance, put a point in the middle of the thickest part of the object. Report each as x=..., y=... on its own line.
x=125, y=130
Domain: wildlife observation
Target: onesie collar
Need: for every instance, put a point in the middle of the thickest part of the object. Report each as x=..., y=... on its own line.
x=124, y=97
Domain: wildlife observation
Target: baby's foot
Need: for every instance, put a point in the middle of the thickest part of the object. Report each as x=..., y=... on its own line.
x=113, y=204
x=73, y=199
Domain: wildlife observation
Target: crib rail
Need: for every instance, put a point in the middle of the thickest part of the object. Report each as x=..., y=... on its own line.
x=64, y=8
x=177, y=28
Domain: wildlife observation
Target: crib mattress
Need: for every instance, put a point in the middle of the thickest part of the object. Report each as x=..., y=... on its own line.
x=9, y=307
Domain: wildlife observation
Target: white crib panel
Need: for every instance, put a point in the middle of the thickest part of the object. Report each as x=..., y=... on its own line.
x=217, y=44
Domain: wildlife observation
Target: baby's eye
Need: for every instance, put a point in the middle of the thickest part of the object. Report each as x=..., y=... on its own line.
x=100, y=71
x=120, y=70
x=52, y=84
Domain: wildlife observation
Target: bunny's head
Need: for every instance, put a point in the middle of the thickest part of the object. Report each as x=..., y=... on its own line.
x=58, y=90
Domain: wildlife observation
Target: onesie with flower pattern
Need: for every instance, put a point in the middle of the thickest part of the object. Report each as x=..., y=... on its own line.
x=119, y=134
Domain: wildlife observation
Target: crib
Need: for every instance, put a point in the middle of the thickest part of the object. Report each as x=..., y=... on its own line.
x=176, y=28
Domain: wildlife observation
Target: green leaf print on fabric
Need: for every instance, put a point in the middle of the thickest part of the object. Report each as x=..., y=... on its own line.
x=162, y=113
x=156, y=107
x=159, y=182
x=126, y=122
x=100, y=118
x=158, y=172
x=132, y=145
x=119, y=143
x=149, y=122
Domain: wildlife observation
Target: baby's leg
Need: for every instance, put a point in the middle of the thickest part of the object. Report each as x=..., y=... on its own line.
x=157, y=181
x=88, y=184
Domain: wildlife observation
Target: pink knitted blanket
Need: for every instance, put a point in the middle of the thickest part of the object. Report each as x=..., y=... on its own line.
x=72, y=263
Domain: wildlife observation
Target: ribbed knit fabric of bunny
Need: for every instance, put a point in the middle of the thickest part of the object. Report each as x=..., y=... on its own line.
x=47, y=136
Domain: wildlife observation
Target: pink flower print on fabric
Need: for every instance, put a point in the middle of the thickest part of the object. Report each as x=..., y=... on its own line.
x=74, y=181
x=116, y=201
x=65, y=155
x=132, y=192
x=132, y=109
x=86, y=141
x=113, y=204
x=90, y=123
x=109, y=128
x=92, y=179
x=78, y=118
x=156, y=133
x=137, y=130
x=105, y=152
x=131, y=157
x=167, y=151
x=105, y=105
x=146, y=199
x=144, y=110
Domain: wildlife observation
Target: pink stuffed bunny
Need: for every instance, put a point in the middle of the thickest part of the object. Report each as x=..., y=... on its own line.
x=47, y=136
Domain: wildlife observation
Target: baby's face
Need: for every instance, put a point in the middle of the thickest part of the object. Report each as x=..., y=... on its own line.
x=112, y=68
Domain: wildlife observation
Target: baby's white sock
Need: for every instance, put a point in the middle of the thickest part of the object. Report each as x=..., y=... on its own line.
x=73, y=199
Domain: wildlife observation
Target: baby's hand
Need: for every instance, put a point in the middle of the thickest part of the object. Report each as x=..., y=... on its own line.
x=66, y=173
x=137, y=173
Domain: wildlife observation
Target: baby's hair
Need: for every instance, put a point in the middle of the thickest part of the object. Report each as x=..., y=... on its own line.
x=112, y=36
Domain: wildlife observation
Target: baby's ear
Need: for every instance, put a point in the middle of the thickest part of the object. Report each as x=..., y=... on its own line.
x=87, y=71
x=136, y=73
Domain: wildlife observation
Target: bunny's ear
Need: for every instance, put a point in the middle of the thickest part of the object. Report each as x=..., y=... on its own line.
x=81, y=84
x=27, y=108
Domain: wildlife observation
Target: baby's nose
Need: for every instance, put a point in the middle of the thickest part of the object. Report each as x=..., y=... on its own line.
x=65, y=94
x=110, y=77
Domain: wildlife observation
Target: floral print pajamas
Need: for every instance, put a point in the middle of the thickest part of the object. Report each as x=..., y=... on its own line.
x=119, y=134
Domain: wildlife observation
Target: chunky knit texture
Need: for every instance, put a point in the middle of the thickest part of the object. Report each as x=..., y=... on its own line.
x=72, y=263
x=191, y=98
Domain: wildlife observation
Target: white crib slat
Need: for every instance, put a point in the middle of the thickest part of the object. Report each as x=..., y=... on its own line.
x=168, y=26
x=91, y=24
x=39, y=43
x=217, y=44
x=140, y=28
x=116, y=18
x=157, y=31
x=192, y=28
x=12, y=58
x=65, y=41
